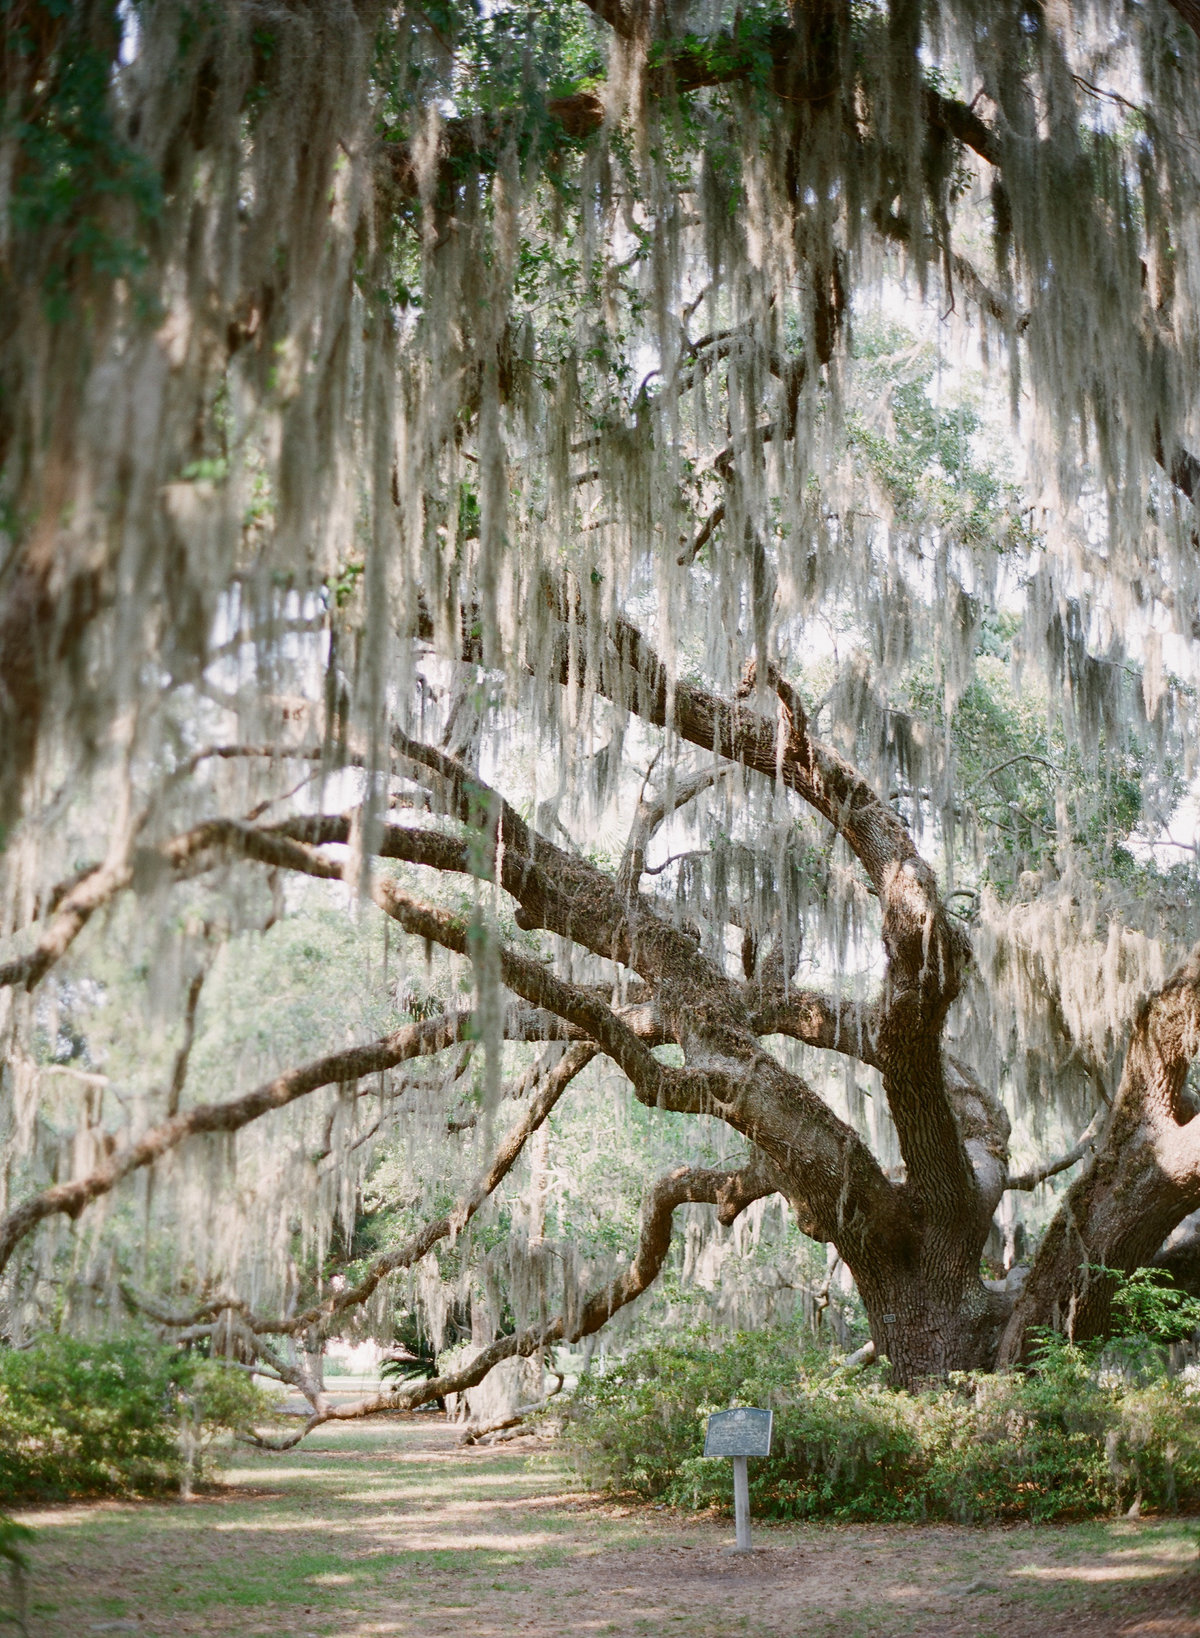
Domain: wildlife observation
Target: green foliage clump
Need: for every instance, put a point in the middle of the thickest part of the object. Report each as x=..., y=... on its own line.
x=119, y=1416
x=1067, y=1439
x=80, y=192
x=1148, y=1304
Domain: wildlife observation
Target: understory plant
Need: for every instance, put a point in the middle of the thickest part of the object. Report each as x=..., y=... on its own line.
x=1070, y=1437
x=114, y=1416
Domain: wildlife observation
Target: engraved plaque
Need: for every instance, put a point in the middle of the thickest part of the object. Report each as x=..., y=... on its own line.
x=739, y=1432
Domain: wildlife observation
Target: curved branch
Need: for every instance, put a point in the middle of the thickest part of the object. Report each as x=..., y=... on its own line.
x=820, y=1020
x=927, y=952
x=74, y=909
x=584, y=903
x=1143, y=1180
x=553, y=1085
x=69, y=1199
x=483, y=1432
x=555, y=889
x=651, y=816
x=682, y=1089
x=1021, y=756
x=730, y=1191
x=74, y=904
x=276, y=845
x=1038, y=1174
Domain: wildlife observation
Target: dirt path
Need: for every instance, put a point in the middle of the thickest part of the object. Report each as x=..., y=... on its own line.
x=387, y=1528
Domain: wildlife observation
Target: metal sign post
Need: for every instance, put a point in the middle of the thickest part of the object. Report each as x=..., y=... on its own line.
x=741, y=1503
x=740, y=1433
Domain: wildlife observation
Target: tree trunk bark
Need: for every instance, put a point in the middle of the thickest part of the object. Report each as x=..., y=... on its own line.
x=1142, y=1182
x=925, y=1336
x=1117, y=1215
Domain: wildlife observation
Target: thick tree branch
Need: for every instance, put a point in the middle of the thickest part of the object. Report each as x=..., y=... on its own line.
x=926, y=951
x=551, y=1083
x=1143, y=1179
x=524, y=975
x=820, y=1021
x=784, y=749
x=726, y=1071
x=686, y=1090
x=726, y=58
x=556, y=889
x=841, y=1189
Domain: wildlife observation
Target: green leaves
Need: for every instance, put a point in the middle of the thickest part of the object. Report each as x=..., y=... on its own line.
x=1067, y=1439
x=104, y=1416
x=82, y=195
x=1148, y=1304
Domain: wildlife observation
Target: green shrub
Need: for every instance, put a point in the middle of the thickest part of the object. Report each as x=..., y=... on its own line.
x=1067, y=1439
x=118, y=1416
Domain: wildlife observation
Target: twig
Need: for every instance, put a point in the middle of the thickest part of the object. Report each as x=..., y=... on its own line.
x=1039, y=1174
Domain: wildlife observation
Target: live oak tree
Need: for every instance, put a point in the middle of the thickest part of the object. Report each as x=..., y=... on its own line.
x=385, y=392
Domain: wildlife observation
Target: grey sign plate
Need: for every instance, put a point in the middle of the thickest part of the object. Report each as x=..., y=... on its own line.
x=739, y=1432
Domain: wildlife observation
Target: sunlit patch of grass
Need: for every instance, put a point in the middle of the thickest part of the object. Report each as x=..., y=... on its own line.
x=1091, y=1572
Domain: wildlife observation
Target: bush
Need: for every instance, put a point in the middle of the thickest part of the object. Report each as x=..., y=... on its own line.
x=1068, y=1439
x=119, y=1416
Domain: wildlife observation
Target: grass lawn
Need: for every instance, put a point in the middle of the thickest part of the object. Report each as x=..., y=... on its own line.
x=387, y=1527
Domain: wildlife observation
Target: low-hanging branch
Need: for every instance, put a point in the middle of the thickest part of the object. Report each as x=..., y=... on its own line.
x=553, y=1085
x=730, y=1191
x=69, y=1199
x=206, y=1317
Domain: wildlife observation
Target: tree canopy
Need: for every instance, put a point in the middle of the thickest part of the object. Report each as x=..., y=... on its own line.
x=639, y=556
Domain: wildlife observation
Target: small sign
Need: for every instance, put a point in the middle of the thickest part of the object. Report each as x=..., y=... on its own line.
x=739, y=1432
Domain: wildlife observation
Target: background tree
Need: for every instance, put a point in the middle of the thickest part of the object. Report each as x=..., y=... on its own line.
x=394, y=397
